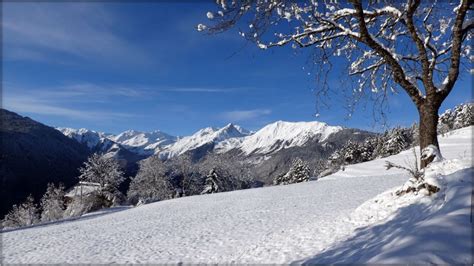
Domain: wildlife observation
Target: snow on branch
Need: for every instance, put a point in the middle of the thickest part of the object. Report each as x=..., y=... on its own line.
x=386, y=44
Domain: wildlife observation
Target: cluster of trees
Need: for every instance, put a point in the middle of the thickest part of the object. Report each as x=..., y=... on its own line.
x=180, y=176
x=460, y=116
x=390, y=142
x=51, y=208
x=101, y=171
x=397, y=139
x=104, y=175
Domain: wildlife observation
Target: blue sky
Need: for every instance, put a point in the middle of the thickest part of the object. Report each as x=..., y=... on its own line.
x=117, y=66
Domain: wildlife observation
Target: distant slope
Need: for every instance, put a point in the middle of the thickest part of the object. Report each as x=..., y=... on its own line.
x=32, y=155
x=280, y=135
x=205, y=139
x=144, y=143
x=98, y=142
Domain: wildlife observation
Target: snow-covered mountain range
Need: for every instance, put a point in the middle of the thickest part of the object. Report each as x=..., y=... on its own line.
x=145, y=143
x=279, y=135
x=271, y=138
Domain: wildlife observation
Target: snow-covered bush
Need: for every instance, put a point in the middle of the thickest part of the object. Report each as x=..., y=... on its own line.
x=151, y=182
x=299, y=172
x=52, y=203
x=106, y=172
x=22, y=215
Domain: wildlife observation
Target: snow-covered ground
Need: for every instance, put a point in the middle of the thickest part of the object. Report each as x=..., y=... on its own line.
x=351, y=216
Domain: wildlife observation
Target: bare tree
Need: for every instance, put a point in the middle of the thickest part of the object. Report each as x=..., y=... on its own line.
x=23, y=215
x=187, y=181
x=411, y=45
x=52, y=203
x=106, y=173
x=151, y=182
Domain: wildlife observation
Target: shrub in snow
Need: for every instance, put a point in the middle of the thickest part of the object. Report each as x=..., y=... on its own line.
x=417, y=181
x=52, y=203
x=22, y=215
x=106, y=172
x=299, y=172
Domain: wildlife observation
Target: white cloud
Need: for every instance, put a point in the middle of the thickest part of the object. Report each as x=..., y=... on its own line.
x=35, y=30
x=60, y=101
x=242, y=115
x=31, y=105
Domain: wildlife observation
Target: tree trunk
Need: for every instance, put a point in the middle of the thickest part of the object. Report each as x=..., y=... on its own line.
x=428, y=129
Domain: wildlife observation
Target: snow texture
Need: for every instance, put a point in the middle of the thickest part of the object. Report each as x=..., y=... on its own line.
x=306, y=222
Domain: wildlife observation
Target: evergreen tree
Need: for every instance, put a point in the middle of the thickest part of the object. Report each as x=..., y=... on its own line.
x=52, y=203
x=299, y=172
x=212, y=183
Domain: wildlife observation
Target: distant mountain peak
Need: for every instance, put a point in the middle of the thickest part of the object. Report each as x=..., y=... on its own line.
x=279, y=135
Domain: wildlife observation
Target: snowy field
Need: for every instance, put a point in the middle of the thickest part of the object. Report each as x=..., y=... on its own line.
x=344, y=217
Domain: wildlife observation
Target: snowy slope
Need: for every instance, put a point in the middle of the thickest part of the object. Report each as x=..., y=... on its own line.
x=279, y=135
x=281, y=224
x=144, y=142
x=93, y=139
x=412, y=229
x=202, y=137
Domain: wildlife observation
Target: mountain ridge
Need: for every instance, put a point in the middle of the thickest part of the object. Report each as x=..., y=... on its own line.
x=270, y=138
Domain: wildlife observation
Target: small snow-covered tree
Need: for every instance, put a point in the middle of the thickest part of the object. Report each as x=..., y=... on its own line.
x=151, y=182
x=52, y=203
x=413, y=45
x=22, y=215
x=106, y=173
x=213, y=183
x=299, y=172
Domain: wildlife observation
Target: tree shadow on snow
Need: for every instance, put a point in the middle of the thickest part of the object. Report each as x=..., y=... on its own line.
x=86, y=216
x=414, y=235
